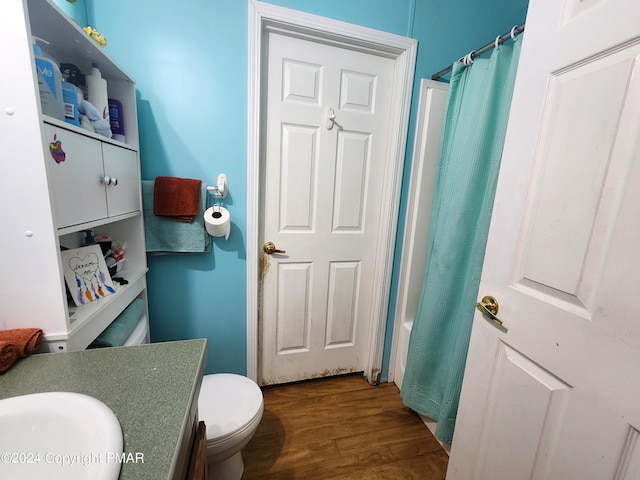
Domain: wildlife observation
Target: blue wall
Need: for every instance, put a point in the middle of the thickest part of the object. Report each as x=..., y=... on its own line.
x=189, y=60
x=75, y=10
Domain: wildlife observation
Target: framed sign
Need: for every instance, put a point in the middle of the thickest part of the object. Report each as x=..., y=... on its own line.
x=86, y=274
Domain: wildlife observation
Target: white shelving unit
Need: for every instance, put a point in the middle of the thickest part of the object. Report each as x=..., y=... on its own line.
x=46, y=204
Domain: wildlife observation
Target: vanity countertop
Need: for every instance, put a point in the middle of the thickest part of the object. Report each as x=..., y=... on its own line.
x=152, y=389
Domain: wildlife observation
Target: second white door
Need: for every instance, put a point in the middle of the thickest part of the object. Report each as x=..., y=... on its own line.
x=326, y=141
x=553, y=393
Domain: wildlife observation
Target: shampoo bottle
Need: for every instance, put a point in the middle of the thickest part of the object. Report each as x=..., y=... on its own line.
x=116, y=119
x=49, y=84
x=97, y=90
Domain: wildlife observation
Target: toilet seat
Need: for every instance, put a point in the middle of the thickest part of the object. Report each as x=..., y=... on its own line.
x=230, y=405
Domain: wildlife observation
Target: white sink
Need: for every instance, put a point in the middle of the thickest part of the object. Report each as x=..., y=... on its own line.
x=59, y=435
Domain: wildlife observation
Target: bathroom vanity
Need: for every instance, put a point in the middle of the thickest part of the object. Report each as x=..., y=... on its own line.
x=153, y=389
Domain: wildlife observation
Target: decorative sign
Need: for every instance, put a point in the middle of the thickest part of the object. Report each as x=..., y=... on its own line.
x=86, y=274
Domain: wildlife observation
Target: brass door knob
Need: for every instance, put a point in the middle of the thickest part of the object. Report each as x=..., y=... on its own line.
x=270, y=248
x=488, y=306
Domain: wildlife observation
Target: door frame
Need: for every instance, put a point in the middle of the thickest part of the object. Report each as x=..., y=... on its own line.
x=266, y=17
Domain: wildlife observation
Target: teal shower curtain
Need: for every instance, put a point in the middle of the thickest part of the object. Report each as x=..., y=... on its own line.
x=474, y=131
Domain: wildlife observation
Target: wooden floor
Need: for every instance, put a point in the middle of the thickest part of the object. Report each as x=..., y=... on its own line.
x=341, y=428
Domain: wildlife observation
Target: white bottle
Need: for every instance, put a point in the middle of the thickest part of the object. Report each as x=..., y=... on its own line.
x=97, y=92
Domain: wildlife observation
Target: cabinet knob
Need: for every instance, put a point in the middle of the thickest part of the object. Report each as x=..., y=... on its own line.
x=113, y=181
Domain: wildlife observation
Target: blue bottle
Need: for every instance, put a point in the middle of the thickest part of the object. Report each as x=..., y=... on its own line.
x=49, y=84
x=70, y=97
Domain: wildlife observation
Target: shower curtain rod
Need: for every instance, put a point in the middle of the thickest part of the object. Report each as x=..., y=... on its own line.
x=476, y=53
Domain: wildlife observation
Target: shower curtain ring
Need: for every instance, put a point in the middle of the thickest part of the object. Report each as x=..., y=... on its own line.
x=513, y=37
x=497, y=42
x=469, y=58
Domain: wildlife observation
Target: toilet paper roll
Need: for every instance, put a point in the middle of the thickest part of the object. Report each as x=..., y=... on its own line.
x=217, y=221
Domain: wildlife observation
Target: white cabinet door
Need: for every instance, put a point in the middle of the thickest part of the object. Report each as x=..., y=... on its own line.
x=78, y=167
x=121, y=164
x=75, y=170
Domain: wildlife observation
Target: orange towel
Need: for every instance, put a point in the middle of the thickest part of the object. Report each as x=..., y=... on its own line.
x=17, y=343
x=176, y=198
x=8, y=355
x=26, y=340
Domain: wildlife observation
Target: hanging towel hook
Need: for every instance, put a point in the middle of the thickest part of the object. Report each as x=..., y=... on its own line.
x=330, y=116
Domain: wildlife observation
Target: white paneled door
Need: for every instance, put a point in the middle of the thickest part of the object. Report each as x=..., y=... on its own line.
x=328, y=114
x=554, y=393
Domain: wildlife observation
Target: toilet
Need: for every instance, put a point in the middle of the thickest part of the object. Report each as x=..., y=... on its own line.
x=231, y=407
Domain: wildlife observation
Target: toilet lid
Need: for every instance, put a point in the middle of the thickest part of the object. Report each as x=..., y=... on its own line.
x=227, y=403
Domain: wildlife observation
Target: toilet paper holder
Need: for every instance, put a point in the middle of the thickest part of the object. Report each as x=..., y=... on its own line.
x=217, y=221
x=221, y=188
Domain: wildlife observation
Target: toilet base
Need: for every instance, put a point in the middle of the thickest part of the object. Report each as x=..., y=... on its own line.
x=229, y=469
